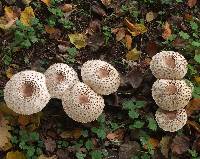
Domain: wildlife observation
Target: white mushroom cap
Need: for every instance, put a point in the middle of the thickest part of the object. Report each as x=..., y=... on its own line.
x=171, y=121
x=82, y=104
x=168, y=65
x=102, y=77
x=171, y=94
x=26, y=92
x=59, y=78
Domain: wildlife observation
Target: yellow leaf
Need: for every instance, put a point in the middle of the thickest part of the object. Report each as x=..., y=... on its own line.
x=15, y=155
x=44, y=157
x=76, y=133
x=153, y=142
x=197, y=79
x=150, y=16
x=133, y=55
x=9, y=13
x=26, y=16
x=47, y=2
x=11, y=70
x=79, y=40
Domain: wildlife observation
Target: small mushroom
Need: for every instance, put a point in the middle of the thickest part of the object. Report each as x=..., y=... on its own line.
x=102, y=77
x=168, y=65
x=171, y=121
x=59, y=78
x=82, y=104
x=171, y=95
x=26, y=92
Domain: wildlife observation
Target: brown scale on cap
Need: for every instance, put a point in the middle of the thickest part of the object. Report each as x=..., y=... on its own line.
x=168, y=65
x=102, y=77
x=171, y=121
x=171, y=95
x=59, y=78
x=26, y=92
x=82, y=104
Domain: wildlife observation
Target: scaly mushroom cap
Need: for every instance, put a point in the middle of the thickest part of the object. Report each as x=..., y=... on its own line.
x=82, y=104
x=171, y=95
x=59, y=78
x=168, y=65
x=102, y=77
x=26, y=92
x=171, y=121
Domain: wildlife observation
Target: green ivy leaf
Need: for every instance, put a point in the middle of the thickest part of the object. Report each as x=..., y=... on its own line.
x=152, y=124
x=89, y=145
x=197, y=58
x=137, y=124
x=133, y=114
x=80, y=155
x=96, y=154
x=184, y=35
x=100, y=132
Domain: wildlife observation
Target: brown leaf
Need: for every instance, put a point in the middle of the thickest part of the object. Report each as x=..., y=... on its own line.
x=98, y=10
x=53, y=32
x=192, y=106
x=94, y=27
x=135, y=77
x=128, y=41
x=106, y=2
x=47, y=2
x=191, y=3
x=116, y=135
x=165, y=145
x=194, y=124
x=76, y=133
x=179, y=43
x=23, y=120
x=180, y=145
x=66, y=8
x=120, y=34
x=153, y=142
x=50, y=144
x=151, y=48
x=167, y=31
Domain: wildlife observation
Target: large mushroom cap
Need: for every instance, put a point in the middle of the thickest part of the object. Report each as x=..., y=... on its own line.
x=102, y=77
x=171, y=121
x=59, y=78
x=168, y=65
x=26, y=92
x=171, y=94
x=82, y=104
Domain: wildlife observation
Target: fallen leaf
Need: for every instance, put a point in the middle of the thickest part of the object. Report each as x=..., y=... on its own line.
x=192, y=106
x=79, y=40
x=165, y=145
x=26, y=16
x=15, y=155
x=135, y=77
x=120, y=34
x=11, y=70
x=167, y=31
x=66, y=8
x=179, y=43
x=133, y=55
x=54, y=32
x=98, y=10
x=153, y=142
x=44, y=157
x=191, y=3
x=194, y=124
x=128, y=41
x=94, y=26
x=26, y=2
x=47, y=2
x=135, y=29
x=76, y=133
x=151, y=48
x=180, y=145
x=197, y=79
x=106, y=2
x=50, y=144
x=116, y=135
x=9, y=13
x=150, y=16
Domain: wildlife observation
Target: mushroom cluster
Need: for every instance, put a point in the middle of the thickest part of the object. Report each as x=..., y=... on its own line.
x=28, y=92
x=170, y=91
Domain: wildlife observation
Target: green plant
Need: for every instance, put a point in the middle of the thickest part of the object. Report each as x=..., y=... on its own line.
x=72, y=51
x=62, y=144
x=193, y=154
x=107, y=33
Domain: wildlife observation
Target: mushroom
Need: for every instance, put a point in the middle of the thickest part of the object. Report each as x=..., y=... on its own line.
x=171, y=121
x=168, y=65
x=59, y=78
x=82, y=104
x=171, y=95
x=102, y=77
x=26, y=92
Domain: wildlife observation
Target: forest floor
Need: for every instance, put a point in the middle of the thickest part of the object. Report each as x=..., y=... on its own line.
x=35, y=34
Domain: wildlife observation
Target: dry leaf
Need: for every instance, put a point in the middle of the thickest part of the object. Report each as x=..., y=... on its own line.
x=79, y=40
x=133, y=55
x=197, y=79
x=150, y=16
x=9, y=13
x=15, y=155
x=116, y=135
x=128, y=41
x=120, y=34
x=44, y=157
x=195, y=125
x=106, y=2
x=153, y=142
x=11, y=70
x=191, y=3
x=94, y=26
x=67, y=8
x=165, y=145
x=192, y=106
x=98, y=10
x=180, y=144
x=54, y=32
x=135, y=29
x=167, y=31
x=47, y=2
x=26, y=16
x=179, y=43
x=151, y=48
x=76, y=133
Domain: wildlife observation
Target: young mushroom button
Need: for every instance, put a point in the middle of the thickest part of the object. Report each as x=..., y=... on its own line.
x=168, y=65
x=82, y=104
x=171, y=121
x=26, y=92
x=59, y=78
x=102, y=77
x=171, y=95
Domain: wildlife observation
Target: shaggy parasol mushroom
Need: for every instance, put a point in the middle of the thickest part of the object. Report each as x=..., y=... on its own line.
x=82, y=104
x=171, y=95
x=26, y=92
x=59, y=78
x=102, y=77
x=168, y=65
x=171, y=121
